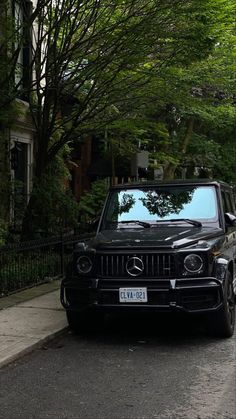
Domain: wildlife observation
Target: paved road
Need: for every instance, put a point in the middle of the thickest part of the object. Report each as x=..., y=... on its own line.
x=132, y=369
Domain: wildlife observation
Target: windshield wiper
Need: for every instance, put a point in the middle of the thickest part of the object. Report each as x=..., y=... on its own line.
x=141, y=223
x=187, y=220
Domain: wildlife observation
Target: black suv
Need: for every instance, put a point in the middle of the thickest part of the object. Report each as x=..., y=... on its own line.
x=158, y=246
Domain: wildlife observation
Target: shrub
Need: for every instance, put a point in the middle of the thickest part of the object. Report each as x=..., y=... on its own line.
x=91, y=204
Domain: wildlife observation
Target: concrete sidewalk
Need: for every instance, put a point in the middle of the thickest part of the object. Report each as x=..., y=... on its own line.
x=28, y=319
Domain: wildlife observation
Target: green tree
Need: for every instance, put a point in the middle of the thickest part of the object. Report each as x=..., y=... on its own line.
x=92, y=55
x=137, y=56
x=188, y=112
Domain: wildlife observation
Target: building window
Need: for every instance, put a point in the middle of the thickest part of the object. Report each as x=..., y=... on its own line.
x=21, y=173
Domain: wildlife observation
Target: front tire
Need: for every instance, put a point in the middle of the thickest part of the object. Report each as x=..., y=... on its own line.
x=222, y=322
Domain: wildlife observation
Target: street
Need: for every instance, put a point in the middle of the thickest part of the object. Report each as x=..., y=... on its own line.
x=149, y=367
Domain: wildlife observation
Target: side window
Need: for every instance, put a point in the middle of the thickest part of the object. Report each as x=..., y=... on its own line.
x=230, y=202
x=224, y=202
x=227, y=202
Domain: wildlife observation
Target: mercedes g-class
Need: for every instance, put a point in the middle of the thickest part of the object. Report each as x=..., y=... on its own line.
x=158, y=246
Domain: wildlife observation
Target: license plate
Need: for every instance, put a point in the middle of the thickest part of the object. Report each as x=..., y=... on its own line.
x=133, y=295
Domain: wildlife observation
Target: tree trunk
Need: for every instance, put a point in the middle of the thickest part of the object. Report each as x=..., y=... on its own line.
x=113, y=169
x=169, y=171
x=170, y=168
x=188, y=135
x=31, y=216
x=28, y=224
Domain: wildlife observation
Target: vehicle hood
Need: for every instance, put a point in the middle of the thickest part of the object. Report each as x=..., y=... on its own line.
x=154, y=237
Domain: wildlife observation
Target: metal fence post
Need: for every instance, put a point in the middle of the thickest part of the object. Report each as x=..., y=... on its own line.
x=62, y=256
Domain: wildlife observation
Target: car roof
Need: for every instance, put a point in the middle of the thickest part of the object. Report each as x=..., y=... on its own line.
x=185, y=182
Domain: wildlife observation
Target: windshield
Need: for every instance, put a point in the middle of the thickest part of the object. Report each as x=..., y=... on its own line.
x=160, y=204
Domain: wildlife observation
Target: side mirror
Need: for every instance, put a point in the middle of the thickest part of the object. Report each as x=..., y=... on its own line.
x=93, y=224
x=230, y=219
x=89, y=226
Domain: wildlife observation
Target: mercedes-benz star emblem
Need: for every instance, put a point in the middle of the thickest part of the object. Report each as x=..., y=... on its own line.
x=134, y=266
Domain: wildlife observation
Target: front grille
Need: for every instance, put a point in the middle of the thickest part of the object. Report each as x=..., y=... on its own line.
x=159, y=265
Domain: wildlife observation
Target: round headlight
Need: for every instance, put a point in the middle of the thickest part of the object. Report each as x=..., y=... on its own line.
x=84, y=264
x=193, y=263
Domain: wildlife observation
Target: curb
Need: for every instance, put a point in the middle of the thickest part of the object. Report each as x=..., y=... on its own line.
x=31, y=348
x=29, y=319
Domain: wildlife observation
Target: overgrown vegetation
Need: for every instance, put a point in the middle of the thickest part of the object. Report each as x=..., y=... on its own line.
x=57, y=210
x=91, y=203
x=158, y=75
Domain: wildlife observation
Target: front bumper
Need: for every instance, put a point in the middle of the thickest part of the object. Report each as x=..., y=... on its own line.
x=198, y=295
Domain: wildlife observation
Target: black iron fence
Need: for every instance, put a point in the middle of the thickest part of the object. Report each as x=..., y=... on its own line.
x=35, y=262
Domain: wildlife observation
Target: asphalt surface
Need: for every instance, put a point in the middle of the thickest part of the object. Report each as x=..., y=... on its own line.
x=137, y=368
